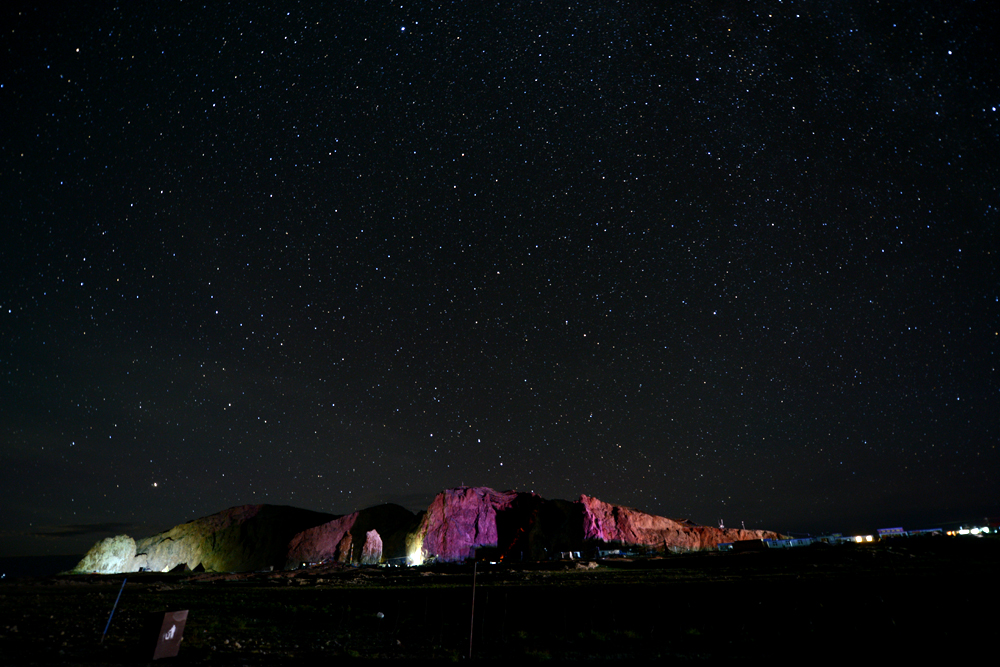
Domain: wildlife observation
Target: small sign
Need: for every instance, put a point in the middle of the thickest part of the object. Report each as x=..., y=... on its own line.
x=168, y=641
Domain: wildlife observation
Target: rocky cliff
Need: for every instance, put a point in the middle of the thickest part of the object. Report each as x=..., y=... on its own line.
x=460, y=523
x=460, y=520
x=239, y=539
x=244, y=538
x=343, y=538
x=603, y=522
x=109, y=556
x=523, y=526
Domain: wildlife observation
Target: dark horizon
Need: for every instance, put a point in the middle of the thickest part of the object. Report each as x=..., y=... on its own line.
x=861, y=525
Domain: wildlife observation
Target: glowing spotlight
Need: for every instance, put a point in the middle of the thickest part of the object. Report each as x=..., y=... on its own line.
x=415, y=556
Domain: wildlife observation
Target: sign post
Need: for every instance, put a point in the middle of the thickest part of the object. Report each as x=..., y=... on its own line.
x=170, y=633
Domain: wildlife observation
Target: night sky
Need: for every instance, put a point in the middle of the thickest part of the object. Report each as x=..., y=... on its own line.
x=712, y=260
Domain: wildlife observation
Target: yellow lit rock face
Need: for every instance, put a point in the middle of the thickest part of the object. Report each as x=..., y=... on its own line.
x=109, y=556
x=240, y=539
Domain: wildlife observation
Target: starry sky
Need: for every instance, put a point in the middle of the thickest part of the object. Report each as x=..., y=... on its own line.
x=713, y=260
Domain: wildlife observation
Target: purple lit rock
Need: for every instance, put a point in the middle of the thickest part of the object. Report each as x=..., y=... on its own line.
x=460, y=520
x=371, y=553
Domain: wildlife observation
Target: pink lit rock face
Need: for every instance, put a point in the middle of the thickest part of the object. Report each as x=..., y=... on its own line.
x=614, y=523
x=331, y=540
x=371, y=553
x=460, y=520
x=343, y=539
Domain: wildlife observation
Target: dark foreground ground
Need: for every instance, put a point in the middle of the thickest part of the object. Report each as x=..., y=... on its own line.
x=908, y=598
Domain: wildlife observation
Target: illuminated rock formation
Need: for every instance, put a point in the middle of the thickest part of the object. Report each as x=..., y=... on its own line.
x=244, y=538
x=345, y=547
x=459, y=524
x=329, y=541
x=371, y=553
x=109, y=556
x=460, y=520
x=464, y=522
x=343, y=539
x=604, y=522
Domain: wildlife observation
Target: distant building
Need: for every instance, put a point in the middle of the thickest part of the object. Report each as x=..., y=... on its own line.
x=789, y=543
x=890, y=532
x=924, y=531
